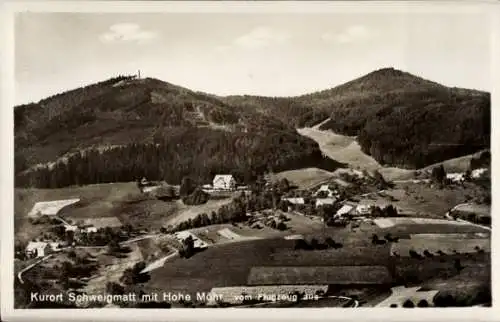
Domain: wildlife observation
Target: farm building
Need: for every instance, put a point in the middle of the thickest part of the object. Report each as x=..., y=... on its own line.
x=90, y=229
x=363, y=209
x=37, y=249
x=325, y=188
x=478, y=173
x=182, y=235
x=295, y=201
x=325, y=201
x=150, y=188
x=224, y=182
x=455, y=177
x=50, y=208
x=70, y=227
x=344, y=210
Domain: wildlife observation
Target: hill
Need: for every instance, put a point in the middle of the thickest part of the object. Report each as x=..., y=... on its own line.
x=399, y=119
x=125, y=128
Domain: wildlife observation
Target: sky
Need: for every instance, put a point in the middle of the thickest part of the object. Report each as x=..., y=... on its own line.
x=246, y=53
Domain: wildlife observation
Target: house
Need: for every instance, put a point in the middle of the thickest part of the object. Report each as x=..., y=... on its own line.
x=325, y=201
x=54, y=246
x=455, y=177
x=344, y=210
x=198, y=243
x=477, y=173
x=70, y=227
x=326, y=189
x=295, y=201
x=363, y=209
x=146, y=189
x=91, y=230
x=224, y=182
x=37, y=249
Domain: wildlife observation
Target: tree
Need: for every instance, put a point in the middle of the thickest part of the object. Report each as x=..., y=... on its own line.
x=301, y=244
x=187, y=187
x=113, y=247
x=458, y=265
x=114, y=288
x=314, y=243
x=284, y=185
x=468, y=175
x=438, y=174
x=281, y=226
x=330, y=242
x=375, y=239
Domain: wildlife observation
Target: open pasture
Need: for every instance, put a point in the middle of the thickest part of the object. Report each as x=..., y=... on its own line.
x=400, y=294
x=481, y=210
x=306, y=178
x=354, y=255
x=339, y=275
x=50, y=208
x=445, y=244
x=395, y=221
x=431, y=202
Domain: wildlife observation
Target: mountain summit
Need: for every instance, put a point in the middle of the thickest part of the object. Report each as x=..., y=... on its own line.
x=127, y=127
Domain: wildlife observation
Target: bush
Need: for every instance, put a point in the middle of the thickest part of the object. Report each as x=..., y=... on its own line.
x=198, y=197
x=423, y=303
x=408, y=304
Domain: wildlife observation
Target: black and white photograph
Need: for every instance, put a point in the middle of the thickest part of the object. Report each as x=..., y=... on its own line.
x=251, y=159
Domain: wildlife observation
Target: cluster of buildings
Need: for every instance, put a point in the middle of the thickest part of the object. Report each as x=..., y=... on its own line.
x=460, y=176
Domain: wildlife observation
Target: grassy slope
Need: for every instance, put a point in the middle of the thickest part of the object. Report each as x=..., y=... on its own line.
x=229, y=264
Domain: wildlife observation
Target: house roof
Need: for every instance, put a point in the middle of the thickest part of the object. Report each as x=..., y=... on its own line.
x=325, y=200
x=344, y=210
x=223, y=177
x=36, y=245
x=295, y=200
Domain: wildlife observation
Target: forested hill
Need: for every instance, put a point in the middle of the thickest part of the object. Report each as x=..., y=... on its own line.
x=400, y=119
x=125, y=128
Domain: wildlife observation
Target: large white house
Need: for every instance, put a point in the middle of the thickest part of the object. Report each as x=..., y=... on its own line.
x=37, y=249
x=224, y=182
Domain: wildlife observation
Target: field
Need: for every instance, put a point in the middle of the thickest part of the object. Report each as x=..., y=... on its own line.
x=112, y=270
x=435, y=243
x=50, y=207
x=481, y=210
x=101, y=198
x=184, y=212
x=426, y=201
x=292, y=275
x=345, y=149
x=400, y=294
x=396, y=221
x=460, y=164
x=306, y=178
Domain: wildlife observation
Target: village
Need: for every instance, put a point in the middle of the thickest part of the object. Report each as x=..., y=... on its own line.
x=354, y=202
